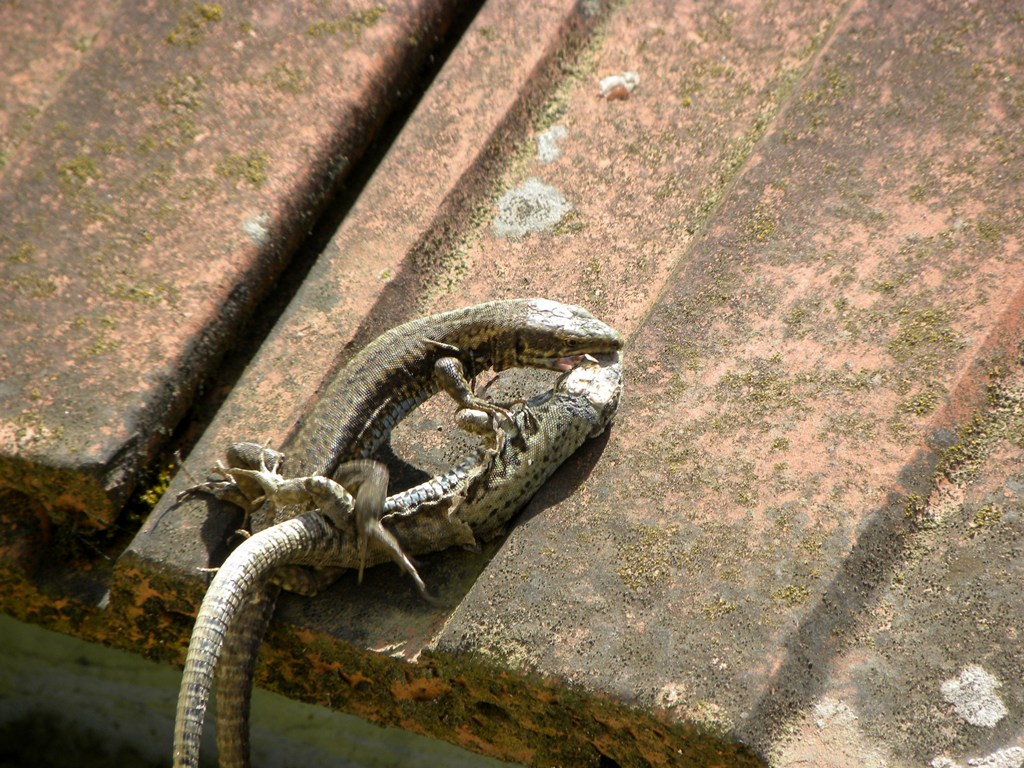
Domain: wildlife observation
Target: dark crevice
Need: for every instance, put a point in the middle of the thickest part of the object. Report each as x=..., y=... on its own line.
x=250, y=334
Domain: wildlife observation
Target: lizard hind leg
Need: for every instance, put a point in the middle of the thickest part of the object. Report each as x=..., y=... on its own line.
x=367, y=480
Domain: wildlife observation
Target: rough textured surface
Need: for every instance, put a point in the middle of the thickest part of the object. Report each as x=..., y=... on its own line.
x=391, y=249
x=851, y=300
x=141, y=222
x=807, y=520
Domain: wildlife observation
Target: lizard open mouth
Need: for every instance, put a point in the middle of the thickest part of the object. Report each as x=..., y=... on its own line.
x=566, y=363
x=569, y=361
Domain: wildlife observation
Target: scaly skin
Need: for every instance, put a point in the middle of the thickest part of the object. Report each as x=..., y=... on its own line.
x=475, y=500
x=396, y=372
x=390, y=377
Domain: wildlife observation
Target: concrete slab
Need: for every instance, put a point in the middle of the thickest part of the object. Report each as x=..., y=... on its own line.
x=43, y=44
x=388, y=254
x=931, y=675
x=452, y=266
x=795, y=387
x=151, y=196
x=807, y=219
x=397, y=249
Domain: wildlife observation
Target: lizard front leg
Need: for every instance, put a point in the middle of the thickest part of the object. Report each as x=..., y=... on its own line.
x=369, y=482
x=239, y=490
x=450, y=375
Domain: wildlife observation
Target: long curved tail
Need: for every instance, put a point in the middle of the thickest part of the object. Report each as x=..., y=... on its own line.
x=245, y=570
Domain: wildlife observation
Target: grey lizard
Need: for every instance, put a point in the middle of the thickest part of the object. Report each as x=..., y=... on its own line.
x=384, y=382
x=471, y=502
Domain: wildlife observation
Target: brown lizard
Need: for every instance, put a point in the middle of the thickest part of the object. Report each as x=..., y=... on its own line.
x=382, y=383
x=471, y=502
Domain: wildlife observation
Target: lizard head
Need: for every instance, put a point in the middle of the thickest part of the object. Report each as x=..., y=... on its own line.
x=598, y=380
x=555, y=336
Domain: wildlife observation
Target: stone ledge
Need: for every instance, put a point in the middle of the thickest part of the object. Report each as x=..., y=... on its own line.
x=154, y=198
x=803, y=534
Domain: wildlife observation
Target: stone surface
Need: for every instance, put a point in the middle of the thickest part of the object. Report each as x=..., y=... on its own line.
x=850, y=299
x=801, y=542
x=398, y=246
x=151, y=193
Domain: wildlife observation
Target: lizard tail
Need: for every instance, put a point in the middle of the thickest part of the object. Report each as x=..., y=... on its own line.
x=245, y=571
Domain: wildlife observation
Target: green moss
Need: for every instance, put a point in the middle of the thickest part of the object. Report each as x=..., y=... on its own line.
x=761, y=225
x=22, y=254
x=922, y=403
x=746, y=497
x=989, y=231
x=101, y=345
x=791, y=595
x=287, y=78
x=103, y=340
x=857, y=427
x=718, y=608
x=180, y=99
x=33, y=286
x=645, y=560
x=918, y=193
x=180, y=93
x=1004, y=419
x=811, y=546
x=191, y=27
x=142, y=291
x=352, y=23
x=75, y=173
x=987, y=516
x=801, y=318
x=251, y=167
x=695, y=78
x=572, y=223
x=156, y=488
x=763, y=390
x=83, y=43
x=831, y=88
x=716, y=25
x=922, y=332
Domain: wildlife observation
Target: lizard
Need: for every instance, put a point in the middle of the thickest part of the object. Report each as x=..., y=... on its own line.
x=390, y=377
x=473, y=501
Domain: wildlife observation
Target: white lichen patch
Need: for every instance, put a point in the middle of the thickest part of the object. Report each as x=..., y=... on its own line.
x=671, y=695
x=533, y=206
x=973, y=696
x=829, y=711
x=1004, y=758
x=257, y=228
x=829, y=734
x=547, y=143
x=618, y=86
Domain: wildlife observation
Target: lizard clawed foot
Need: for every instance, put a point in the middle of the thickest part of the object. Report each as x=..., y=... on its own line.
x=233, y=488
x=367, y=481
x=388, y=540
x=451, y=377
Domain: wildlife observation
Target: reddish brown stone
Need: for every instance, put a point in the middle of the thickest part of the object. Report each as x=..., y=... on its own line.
x=393, y=251
x=807, y=519
x=155, y=200
x=848, y=298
